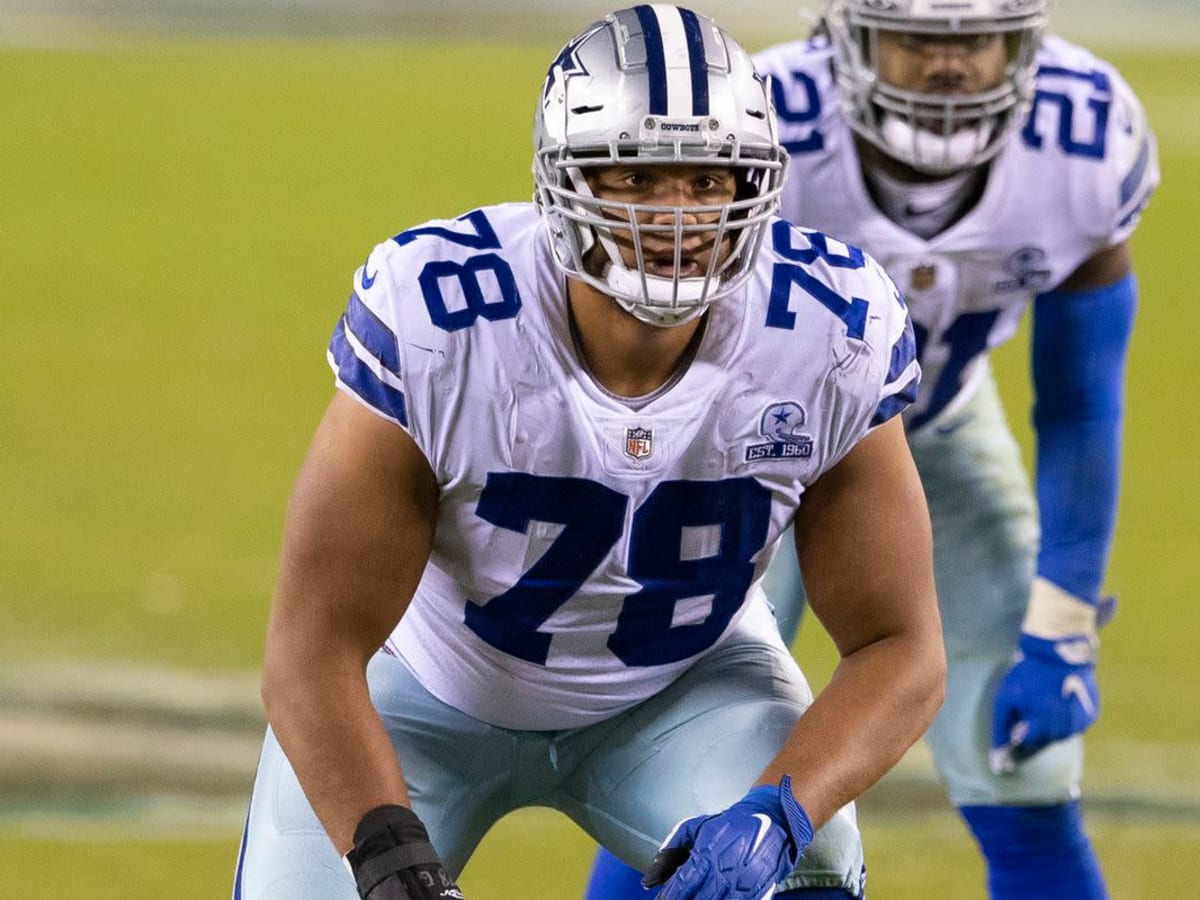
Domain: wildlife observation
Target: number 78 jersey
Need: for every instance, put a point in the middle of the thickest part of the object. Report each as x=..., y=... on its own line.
x=1070, y=182
x=587, y=551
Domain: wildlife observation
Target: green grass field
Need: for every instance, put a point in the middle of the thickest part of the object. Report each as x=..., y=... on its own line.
x=179, y=222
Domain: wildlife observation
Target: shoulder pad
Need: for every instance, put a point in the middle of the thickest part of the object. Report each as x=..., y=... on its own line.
x=1085, y=115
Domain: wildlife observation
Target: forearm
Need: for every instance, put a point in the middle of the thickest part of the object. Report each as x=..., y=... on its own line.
x=322, y=715
x=1078, y=474
x=881, y=613
x=1079, y=345
x=879, y=702
x=358, y=533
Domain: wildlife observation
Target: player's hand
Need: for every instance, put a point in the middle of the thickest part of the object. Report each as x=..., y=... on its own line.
x=739, y=854
x=1049, y=693
x=392, y=859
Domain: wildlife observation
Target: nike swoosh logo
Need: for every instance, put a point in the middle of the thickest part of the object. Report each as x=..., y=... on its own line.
x=1074, y=686
x=367, y=280
x=764, y=828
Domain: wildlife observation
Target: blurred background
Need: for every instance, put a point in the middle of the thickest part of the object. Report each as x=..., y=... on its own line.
x=187, y=188
x=1153, y=23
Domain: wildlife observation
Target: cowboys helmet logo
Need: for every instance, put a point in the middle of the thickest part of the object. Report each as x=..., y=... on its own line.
x=566, y=63
x=1028, y=268
x=781, y=420
x=781, y=424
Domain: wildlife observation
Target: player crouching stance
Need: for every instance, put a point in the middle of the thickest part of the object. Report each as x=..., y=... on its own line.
x=522, y=557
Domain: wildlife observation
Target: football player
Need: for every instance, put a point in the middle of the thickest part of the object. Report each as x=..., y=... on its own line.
x=988, y=166
x=522, y=558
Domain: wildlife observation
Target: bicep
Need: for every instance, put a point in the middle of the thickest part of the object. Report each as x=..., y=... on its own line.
x=864, y=545
x=1102, y=268
x=357, y=535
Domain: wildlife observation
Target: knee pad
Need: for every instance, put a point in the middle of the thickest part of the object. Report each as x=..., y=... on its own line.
x=1036, y=852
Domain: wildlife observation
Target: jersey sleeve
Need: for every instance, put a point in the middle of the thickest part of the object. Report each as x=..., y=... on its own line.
x=902, y=376
x=1135, y=157
x=364, y=351
x=882, y=372
x=410, y=345
x=1087, y=116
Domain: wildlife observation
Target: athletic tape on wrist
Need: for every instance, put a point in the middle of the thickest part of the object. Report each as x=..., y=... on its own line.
x=1054, y=614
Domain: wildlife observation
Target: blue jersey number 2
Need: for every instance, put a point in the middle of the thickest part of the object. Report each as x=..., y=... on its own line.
x=1071, y=120
x=737, y=511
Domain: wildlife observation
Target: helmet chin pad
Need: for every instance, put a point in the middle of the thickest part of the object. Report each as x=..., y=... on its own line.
x=928, y=151
x=665, y=302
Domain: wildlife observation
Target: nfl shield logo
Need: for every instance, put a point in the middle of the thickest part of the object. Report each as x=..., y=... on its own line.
x=923, y=277
x=639, y=442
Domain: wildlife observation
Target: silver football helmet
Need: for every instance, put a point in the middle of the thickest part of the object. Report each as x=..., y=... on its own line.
x=934, y=132
x=655, y=85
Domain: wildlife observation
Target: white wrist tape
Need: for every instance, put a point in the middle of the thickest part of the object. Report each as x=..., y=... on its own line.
x=1054, y=614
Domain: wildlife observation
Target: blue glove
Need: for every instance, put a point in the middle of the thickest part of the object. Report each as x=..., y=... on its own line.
x=739, y=854
x=1050, y=692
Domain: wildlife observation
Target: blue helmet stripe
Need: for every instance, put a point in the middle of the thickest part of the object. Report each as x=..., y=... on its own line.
x=656, y=60
x=697, y=62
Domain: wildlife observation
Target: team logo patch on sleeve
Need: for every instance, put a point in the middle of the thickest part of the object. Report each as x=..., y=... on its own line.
x=781, y=424
x=639, y=442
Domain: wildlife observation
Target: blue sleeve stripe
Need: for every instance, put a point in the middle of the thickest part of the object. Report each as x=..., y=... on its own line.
x=904, y=351
x=1136, y=211
x=379, y=340
x=357, y=376
x=903, y=363
x=896, y=403
x=1133, y=180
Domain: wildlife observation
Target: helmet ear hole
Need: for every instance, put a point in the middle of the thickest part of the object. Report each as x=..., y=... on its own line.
x=607, y=100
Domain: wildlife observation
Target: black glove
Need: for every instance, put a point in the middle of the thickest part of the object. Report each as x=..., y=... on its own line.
x=392, y=859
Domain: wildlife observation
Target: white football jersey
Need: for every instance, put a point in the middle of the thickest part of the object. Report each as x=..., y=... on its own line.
x=1072, y=181
x=586, y=553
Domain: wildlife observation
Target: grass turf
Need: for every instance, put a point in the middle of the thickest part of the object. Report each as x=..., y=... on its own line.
x=180, y=222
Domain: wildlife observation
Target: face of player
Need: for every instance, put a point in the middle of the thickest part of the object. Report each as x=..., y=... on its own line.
x=666, y=188
x=942, y=64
